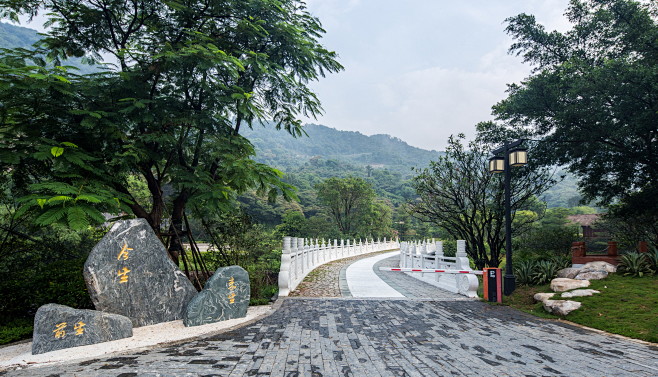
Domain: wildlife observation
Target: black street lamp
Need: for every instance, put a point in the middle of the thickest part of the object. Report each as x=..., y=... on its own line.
x=512, y=155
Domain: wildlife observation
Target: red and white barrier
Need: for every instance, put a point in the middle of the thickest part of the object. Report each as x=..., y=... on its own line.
x=430, y=270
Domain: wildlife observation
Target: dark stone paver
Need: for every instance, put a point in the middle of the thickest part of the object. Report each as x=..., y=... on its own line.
x=428, y=333
x=361, y=337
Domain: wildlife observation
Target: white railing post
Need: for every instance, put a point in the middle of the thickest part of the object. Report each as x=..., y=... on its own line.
x=284, y=273
x=300, y=252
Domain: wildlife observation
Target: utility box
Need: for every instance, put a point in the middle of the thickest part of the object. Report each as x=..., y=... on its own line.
x=493, y=283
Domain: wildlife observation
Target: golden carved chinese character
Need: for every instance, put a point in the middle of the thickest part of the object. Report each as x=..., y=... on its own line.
x=79, y=328
x=123, y=275
x=59, y=330
x=123, y=254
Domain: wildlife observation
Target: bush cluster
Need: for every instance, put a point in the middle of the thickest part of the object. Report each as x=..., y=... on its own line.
x=638, y=264
x=539, y=271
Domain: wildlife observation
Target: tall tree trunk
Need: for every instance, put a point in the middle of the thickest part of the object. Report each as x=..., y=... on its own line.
x=176, y=227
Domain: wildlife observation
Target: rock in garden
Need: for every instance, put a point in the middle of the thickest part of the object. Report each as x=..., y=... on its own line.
x=561, y=307
x=579, y=293
x=568, y=273
x=225, y=296
x=564, y=284
x=130, y=273
x=541, y=297
x=57, y=327
x=591, y=275
x=599, y=266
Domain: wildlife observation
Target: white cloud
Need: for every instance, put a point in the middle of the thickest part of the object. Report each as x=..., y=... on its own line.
x=421, y=70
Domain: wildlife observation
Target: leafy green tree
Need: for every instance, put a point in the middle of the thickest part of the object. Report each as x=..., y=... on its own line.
x=189, y=75
x=348, y=200
x=377, y=221
x=592, y=99
x=458, y=194
x=293, y=224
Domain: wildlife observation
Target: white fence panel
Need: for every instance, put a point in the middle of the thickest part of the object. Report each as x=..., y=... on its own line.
x=429, y=255
x=301, y=256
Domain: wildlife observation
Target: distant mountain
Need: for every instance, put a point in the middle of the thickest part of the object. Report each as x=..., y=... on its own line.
x=12, y=36
x=16, y=36
x=281, y=150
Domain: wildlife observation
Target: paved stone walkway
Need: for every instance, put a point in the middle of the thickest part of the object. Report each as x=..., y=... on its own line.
x=325, y=280
x=385, y=337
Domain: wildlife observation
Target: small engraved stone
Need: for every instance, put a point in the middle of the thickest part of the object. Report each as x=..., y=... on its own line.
x=57, y=327
x=225, y=296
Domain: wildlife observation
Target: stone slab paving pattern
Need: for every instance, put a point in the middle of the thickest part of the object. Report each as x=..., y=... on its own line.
x=385, y=337
x=375, y=337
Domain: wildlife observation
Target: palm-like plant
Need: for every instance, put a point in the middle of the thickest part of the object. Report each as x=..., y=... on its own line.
x=523, y=271
x=634, y=264
x=545, y=271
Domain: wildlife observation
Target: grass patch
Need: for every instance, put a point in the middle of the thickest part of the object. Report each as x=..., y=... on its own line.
x=626, y=306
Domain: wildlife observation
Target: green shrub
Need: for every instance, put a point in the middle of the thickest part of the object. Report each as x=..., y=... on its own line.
x=562, y=261
x=544, y=271
x=15, y=330
x=634, y=264
x=524, y=272
x=652, y=260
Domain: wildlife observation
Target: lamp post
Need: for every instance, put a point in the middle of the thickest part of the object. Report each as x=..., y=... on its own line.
x=512, y=155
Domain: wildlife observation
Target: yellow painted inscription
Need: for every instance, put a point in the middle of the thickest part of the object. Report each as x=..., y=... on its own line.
x=231, y=288
x=59, y=330
x=124, y=254
x=79, y=328
x=123, y=275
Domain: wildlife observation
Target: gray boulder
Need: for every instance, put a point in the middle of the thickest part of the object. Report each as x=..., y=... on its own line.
x=591, y=275
x=564, y=284
x=561, y=307
x=130, y=273
x=579, y=293
x=541, y=297
x=57, y=327
x=568, y=273
x=600, y=266
x=225, y=296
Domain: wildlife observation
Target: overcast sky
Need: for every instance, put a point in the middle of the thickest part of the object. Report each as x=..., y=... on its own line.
x=421, y=70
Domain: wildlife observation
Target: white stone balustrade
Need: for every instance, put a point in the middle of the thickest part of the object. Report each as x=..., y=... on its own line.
x=301, y=256
x=429, y=255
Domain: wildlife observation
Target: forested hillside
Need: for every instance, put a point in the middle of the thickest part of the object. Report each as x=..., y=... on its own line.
x=12, y=36
x=280, y=149
x=16, y=36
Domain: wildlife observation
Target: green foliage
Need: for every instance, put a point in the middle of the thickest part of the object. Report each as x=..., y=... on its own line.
x=352, y=205
x=634, y=264
x=458, y=194
x=591, y=99
x=524, y=271
x=45, y=268
x=544, y=271
x=15, y=330
x=169, y=113
x=652, y=261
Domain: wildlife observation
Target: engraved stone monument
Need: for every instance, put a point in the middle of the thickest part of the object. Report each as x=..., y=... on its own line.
x=58, y=327
x=130, y=273
x=225, y=296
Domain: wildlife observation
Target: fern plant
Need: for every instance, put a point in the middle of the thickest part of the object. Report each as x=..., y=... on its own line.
x=545, y=271
x=652, y=260
x=524, y=271
x=634, y=264
x=562, y=261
